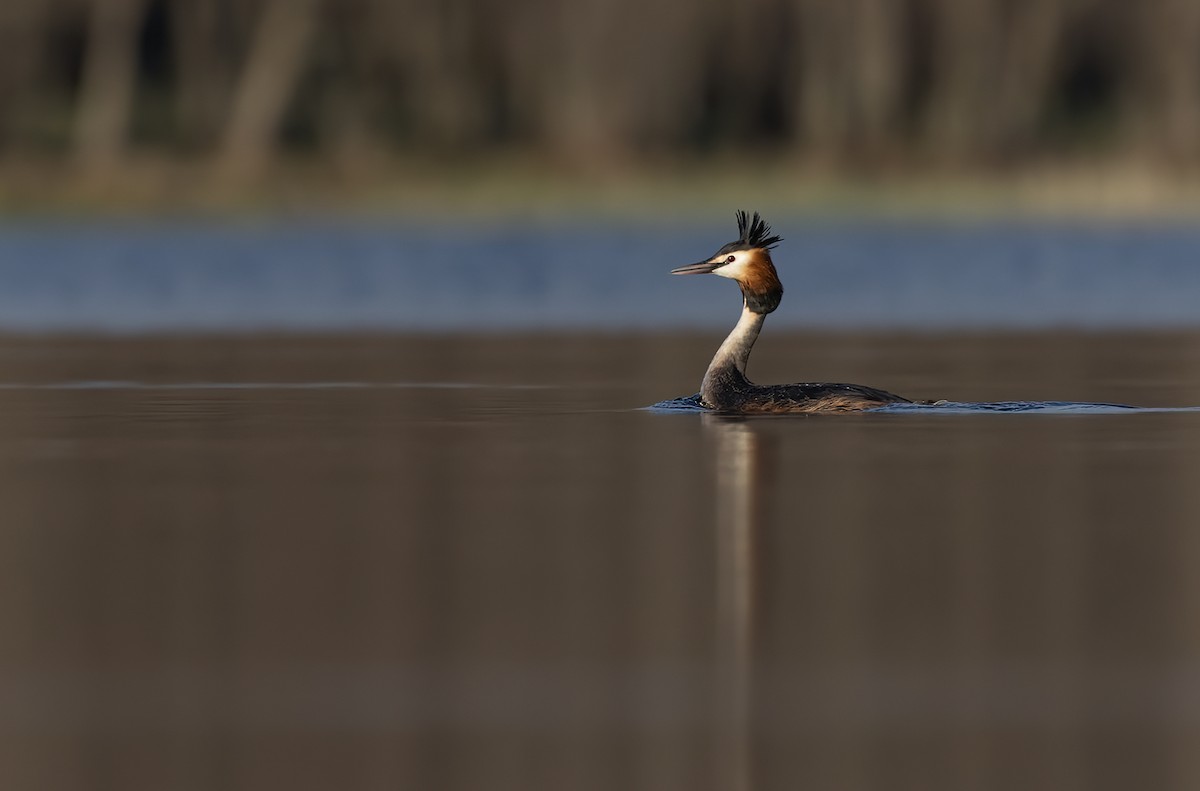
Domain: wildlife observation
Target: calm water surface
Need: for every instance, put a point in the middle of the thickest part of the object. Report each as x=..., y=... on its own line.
x=470, y=562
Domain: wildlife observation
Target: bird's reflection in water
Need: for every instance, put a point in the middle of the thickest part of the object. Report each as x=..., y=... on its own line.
x=743, y=463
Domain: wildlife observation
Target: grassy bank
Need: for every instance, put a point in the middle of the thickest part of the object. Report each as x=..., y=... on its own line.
x=500, y=188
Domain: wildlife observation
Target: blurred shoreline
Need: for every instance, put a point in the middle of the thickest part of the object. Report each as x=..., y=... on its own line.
x=506, y=187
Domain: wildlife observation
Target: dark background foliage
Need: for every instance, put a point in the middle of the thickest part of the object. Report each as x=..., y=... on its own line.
x=857, y=84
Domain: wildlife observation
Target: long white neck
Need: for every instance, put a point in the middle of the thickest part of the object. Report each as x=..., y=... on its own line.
x=735, y=351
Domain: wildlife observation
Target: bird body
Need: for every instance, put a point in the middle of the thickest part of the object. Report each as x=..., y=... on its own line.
x=725, y=388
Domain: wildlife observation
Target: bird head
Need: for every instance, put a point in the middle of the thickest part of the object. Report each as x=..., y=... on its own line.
x=746, y=261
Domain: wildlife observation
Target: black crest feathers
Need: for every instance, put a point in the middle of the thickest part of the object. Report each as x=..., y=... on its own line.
x=754, y=231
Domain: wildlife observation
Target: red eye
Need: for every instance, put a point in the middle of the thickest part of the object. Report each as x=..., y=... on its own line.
x=730, y=259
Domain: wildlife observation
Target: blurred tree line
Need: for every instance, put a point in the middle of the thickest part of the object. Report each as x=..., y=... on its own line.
x=852, y=82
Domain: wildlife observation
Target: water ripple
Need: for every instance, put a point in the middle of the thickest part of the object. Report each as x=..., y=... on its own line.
x=693, y=404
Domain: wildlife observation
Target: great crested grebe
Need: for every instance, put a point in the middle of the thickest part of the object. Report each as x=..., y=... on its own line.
x=726, y=388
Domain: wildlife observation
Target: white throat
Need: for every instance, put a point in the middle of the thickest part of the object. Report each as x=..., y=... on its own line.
x=735, y=351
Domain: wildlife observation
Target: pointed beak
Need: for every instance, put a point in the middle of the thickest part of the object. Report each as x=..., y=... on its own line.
x=698, y=268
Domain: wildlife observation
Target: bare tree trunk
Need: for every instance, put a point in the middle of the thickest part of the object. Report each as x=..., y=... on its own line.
x=852, y=72
x=738, y=50
x=273, y=70
x=109, y=83
x=965, y=48
x=664, y=64
x=22, y=42
x=583, y=121
x=1165, y=108
x=992, y=70
x=614, y=89
x=202, y=85
x=1031, y=60
x=446, y=41
x=880, y=69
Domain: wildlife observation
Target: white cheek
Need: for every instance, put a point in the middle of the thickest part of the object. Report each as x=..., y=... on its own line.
x=732, y=271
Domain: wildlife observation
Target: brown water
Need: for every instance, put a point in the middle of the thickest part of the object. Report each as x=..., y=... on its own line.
x=468, y=563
